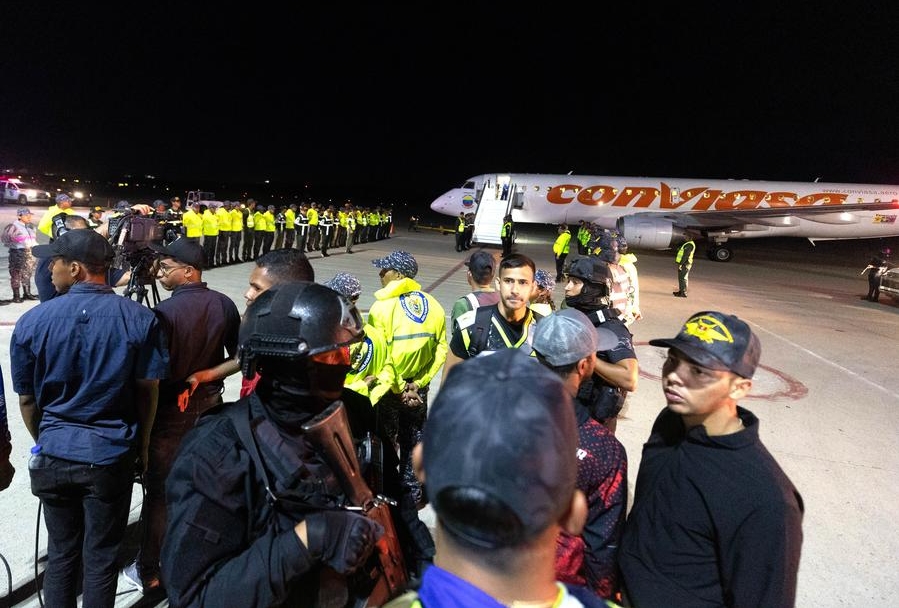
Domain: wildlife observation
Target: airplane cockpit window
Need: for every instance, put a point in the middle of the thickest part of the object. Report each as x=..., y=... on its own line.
x=469, y=185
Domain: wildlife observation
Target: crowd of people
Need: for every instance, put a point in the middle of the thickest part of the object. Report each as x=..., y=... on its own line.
x=245, y=503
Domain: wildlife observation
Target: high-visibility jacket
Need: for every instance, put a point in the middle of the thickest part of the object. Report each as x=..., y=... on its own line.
x=269, y=221
x=289, y=217
x=312, y=217
x=506, y=231
x=461, y=226
x=560, y=247
x=370, y=358
x=684, y=255
x=46, y=223
x=210, y=224
x=259, y=221
x=223, y=216
x=414, y=327
x=236, y=220
x=193, y=224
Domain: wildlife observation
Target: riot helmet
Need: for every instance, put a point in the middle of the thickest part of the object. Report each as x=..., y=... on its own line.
x=597, y=278
x=294, y=321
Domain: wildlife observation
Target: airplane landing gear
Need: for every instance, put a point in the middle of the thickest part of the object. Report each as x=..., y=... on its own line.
x=720, y=253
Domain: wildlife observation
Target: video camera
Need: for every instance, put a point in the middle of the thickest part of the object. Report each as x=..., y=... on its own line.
x=131, y=235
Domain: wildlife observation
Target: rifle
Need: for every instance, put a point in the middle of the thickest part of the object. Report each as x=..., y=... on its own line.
x=329, y=433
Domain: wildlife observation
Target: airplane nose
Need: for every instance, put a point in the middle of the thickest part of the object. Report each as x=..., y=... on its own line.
x=442, y=203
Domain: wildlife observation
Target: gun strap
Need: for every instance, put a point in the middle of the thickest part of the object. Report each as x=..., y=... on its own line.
x=244, y=427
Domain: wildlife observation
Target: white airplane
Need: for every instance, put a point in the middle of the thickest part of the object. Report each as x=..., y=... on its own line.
x=655, y=213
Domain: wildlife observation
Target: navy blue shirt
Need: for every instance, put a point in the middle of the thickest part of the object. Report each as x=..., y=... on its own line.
x=79, y=355
x=201, y=325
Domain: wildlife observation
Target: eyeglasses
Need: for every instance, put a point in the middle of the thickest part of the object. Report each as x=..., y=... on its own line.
x=167, y=270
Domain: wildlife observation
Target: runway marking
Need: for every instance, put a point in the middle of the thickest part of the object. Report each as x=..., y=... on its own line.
x=453, y=270
x=829, y=362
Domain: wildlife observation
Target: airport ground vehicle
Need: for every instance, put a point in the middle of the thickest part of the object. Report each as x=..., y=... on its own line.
x=204, y=198
x=889, y=283
x=16, y=191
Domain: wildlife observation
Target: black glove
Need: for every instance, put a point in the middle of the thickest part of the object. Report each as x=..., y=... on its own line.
x=341, y=539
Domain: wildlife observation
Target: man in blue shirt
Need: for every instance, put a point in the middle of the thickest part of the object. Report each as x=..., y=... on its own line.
x=86, y=366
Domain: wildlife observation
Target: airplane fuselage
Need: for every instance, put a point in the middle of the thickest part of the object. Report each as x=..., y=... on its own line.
x=718, y=209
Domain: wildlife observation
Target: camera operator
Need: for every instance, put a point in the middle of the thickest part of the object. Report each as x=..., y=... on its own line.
x=62, y=223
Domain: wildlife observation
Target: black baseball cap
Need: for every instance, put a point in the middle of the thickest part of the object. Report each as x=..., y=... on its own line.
x=717, y=341
x=184, y=251
x=481, y=264
x=82, y=245
x=515, y=440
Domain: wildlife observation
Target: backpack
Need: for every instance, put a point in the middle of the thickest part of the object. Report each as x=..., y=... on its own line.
x=481, y=327
x=8, y=235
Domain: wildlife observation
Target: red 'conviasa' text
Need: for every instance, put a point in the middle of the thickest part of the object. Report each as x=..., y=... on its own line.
x=699, y=198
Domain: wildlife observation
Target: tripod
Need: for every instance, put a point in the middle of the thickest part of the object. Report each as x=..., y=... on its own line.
x=140, y=280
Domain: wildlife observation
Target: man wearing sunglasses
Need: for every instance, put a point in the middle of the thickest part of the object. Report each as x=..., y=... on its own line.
x=201, y=325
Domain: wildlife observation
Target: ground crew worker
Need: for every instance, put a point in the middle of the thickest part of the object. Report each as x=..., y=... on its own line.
x=63, y=205
x=684, y=261
x=460, y=232
x=560, y=250
x=583, y=237
x=505, y=235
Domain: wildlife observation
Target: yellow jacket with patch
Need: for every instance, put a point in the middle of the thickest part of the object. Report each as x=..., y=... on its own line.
x=414, y=327
x=369, y=358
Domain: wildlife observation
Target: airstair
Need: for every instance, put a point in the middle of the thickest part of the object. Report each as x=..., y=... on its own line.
x=494, y=203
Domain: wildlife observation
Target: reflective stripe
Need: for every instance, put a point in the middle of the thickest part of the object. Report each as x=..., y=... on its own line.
x=414, y=336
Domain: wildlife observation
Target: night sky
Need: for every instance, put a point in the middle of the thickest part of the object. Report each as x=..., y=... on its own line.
x=401, y=104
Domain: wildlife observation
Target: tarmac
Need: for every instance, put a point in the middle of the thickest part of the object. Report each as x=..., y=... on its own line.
x=826, y=394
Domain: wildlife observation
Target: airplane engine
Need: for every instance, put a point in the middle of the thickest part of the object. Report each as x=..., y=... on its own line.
x=644, y=231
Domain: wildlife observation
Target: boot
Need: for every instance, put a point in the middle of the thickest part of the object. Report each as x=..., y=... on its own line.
x=26, y=293
x=16, y=298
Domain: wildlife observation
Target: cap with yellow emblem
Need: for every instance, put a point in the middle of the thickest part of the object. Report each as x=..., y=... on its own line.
x=717, y=341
